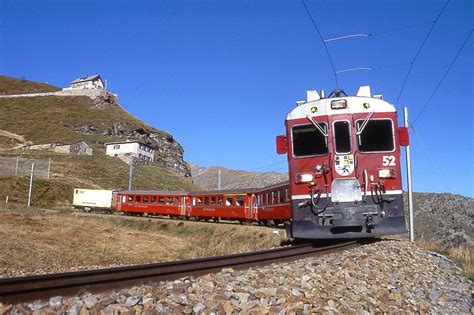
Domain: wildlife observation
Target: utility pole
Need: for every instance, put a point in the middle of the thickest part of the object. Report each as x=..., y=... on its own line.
x=410, y=188
x=219, y=180
x=31, y=184
x=130, y=174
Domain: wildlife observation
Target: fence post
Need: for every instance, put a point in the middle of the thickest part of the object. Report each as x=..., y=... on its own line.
x=16, y=165
x=49, y=168
x=31, y=184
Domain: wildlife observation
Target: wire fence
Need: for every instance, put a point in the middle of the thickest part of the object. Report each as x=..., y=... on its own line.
x=20, y=166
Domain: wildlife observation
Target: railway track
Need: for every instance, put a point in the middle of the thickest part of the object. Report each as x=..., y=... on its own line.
x=29, y=288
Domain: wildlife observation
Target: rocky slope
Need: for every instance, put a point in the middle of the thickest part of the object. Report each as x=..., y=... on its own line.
x=206, y=177
x=95, y=119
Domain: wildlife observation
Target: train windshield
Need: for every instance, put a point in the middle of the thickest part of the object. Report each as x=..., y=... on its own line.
x=377, y=136
x=309, y=141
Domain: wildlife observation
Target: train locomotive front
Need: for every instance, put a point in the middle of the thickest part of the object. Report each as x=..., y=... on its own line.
x=344, y=166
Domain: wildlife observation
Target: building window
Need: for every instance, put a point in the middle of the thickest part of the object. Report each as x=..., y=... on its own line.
x=117, y=146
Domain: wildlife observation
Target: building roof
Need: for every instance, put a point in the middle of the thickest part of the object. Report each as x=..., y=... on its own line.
x=131, y=141
x=88, y=78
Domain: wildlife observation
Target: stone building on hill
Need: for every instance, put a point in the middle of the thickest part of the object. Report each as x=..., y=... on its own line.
x=77, y=148
x=89, y=82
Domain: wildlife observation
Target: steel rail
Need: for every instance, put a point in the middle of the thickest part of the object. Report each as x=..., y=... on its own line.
x=29, y=288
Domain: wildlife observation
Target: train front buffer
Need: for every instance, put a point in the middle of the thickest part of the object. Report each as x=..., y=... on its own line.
x=344, y=167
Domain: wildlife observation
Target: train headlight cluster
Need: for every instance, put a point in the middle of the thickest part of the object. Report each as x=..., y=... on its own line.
x=386, y=173
x=304, y=178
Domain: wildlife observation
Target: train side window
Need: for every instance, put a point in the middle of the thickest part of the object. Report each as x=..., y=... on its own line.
x=176, y=200
x=239, y=201
x=199, y=200
x=309, y=141
x=228, y=201
x=124, y=199
x=153, y=199
x=377, y=136
x=206, y=200
x=161, y=200
x=138, y=198
x=169, y=200
x=130, y=198
x=286, y=196
x=282, y=196
x=212, y=200
x=219, y=200
x=145, y=199
x=342, y=137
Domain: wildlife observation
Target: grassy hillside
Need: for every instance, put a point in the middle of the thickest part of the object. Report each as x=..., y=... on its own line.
x=10, y=85
x=96, y=172
x=60, y=119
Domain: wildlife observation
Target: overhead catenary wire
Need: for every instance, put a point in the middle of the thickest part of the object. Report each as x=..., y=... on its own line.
x=438, y=169
x=322, y=40
x=419, y=50
x=443, y=77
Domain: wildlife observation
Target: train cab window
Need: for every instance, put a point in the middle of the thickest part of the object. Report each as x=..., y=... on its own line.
x=309, y=141
x=145, y=199
x=138, y=198
x=206, y=200
x=219, y=200
x=239, y=201
x=228, y=201
x=376, y=136
x=130, y=199
x=153, y=199
x=161, y=200
x=342, y=137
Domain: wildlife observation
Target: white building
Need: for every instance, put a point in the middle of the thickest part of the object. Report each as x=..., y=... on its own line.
x=89, y=82
x=130, y=150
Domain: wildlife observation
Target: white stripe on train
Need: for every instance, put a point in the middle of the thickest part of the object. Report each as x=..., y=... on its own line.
x=388, y=192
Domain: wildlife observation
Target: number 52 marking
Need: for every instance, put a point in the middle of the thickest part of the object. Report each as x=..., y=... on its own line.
x=388, y=160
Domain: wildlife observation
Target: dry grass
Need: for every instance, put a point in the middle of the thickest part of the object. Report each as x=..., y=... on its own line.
x=462, y=255
x=59, y=240
x=10, y=85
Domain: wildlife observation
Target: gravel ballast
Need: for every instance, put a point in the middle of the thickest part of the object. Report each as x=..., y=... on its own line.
x=390, y=276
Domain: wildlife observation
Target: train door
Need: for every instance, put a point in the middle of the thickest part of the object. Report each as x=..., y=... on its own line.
x=182, y=206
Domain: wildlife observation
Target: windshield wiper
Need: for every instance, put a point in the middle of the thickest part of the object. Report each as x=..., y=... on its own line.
x=319, y=128
x=364, y=124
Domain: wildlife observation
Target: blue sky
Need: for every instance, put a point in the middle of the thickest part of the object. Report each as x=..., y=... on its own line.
x=221, y=75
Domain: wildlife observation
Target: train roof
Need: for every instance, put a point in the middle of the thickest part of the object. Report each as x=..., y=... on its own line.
x=154, y=192
x=363, y=102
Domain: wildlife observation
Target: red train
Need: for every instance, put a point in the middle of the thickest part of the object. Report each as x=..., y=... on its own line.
x=344, y=166
x=269, y=205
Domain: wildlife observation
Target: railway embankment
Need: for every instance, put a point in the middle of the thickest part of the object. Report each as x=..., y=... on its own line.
x=390, y=276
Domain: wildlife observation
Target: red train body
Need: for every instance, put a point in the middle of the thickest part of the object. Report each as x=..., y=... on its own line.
x=344, y=166
x=266, y=205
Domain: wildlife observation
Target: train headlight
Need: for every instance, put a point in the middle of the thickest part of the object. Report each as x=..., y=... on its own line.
x=338, y=104
x=304, y=178
x=386, y=173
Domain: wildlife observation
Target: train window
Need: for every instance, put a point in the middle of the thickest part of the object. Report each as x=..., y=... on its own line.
x=153, y=199
x=169, y=200
x=138, y=198
x=130, y=198
x=282, y=196
x=239, y=200
x=206, y=200
x=219, y=200
x=377, y=136
x=199, y=201
x=309, y=141
x=212, y=200
x=145, y=199
x=176, y=200
x=228, y=201
x=161, y=200
x=342, y=137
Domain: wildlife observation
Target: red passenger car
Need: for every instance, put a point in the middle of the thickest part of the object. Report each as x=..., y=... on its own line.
x=227, y=205
x=152, y=202
x=273, y=203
